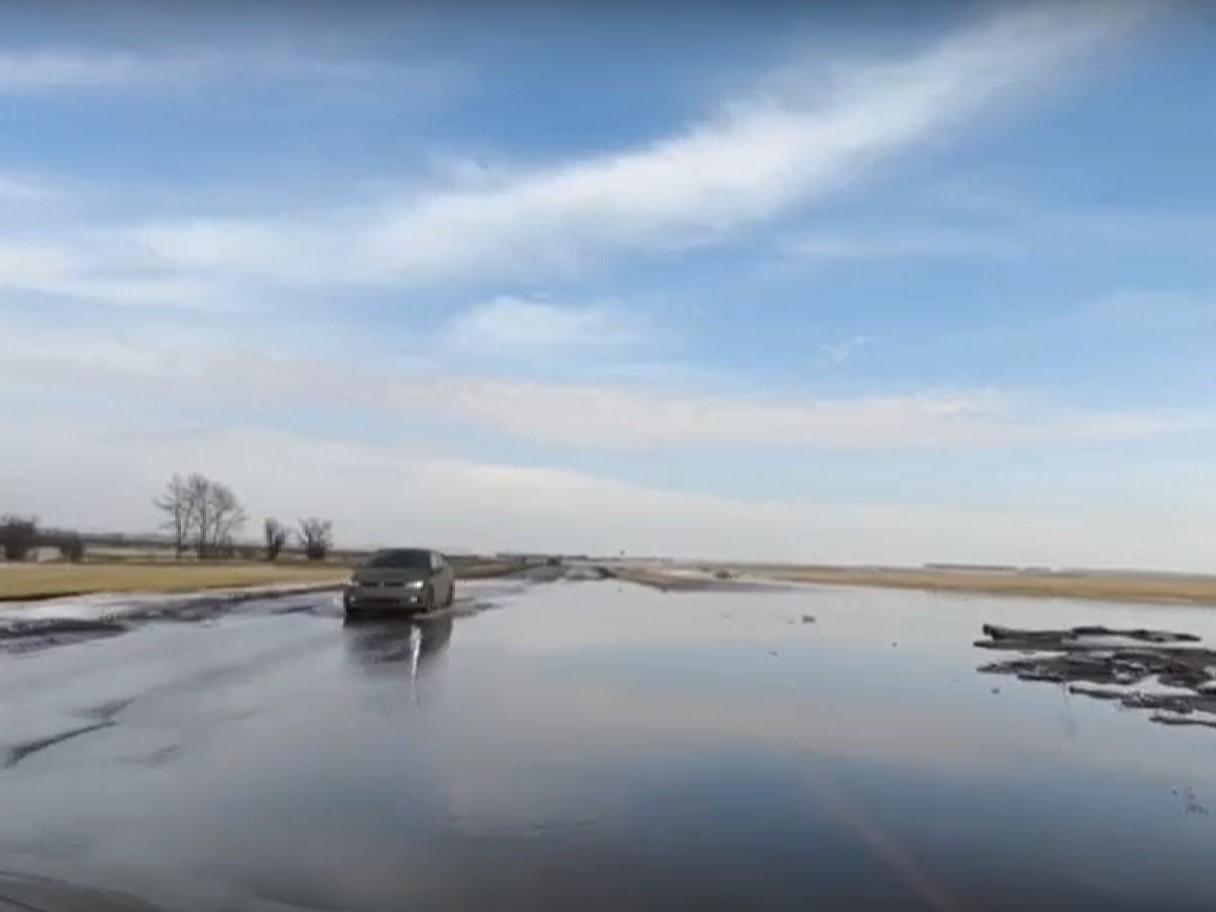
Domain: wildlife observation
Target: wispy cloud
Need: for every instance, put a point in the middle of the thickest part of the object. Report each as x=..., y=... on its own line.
x=625, y=418
x=1015, y=221
x=513, y=325
x=919, y=242
x=16, y=188
x=70, y=270
x=754, y=159
x=25, y=71
x=842, y=351
x=1146, y=310
x=41, y=69
x=611, y=417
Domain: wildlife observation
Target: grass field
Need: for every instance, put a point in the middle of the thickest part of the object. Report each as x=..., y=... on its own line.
x=31, y=581
x=1097, y=585
x=1161, y=588
x=49, y=580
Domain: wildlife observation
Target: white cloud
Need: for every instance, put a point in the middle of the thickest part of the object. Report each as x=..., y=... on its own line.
x=1152, y=310
x=840, y=352
x=627, y=418
x=71, y=270
x=18, y=189
x=912, y=242
x=513, y=325
x=613, y=417
x=24, y=71
x=996, y=221
x=44, y=69
x=757, y=157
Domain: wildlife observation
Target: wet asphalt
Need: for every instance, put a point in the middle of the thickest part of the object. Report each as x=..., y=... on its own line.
x=586, y=744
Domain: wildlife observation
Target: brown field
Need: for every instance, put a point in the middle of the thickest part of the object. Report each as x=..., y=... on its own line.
x=484, y=569
x=1108, y=586
x=48, y=580
x=124, y=574
x=1164, y=588
x=37, y=581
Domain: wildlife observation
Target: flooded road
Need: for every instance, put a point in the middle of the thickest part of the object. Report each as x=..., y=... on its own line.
x=594, y=745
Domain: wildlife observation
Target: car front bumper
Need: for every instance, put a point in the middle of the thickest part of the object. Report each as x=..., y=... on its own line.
x=402, y=600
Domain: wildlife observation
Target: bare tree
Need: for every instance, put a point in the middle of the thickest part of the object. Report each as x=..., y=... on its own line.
x=177, y=501
x=316, y=537
x=203, y=514
x=18, y=536
x=226, y=516
x=276, y=538
x=198, y=498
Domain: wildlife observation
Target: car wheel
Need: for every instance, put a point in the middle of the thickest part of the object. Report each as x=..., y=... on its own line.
x=428, y=600
x=451, y=593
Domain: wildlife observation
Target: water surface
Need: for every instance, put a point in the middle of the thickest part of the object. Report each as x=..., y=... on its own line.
x=601, y=745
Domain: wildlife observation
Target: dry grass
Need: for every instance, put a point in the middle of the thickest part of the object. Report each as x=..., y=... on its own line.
x=125, y=574
x=1130, y=586
x=486, y=569
x=32, y=581
x=1118, y=587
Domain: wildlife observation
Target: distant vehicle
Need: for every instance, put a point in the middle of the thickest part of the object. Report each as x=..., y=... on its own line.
x=400, y=579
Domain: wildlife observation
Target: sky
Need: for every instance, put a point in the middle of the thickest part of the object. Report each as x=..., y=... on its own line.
x=886, y=284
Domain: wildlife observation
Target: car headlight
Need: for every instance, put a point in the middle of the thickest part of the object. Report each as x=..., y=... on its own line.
x=415, y=584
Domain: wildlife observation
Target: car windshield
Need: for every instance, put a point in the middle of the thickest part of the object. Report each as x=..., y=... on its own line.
x=400, y=560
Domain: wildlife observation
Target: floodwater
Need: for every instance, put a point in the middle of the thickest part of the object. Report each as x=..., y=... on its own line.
x=595, y=745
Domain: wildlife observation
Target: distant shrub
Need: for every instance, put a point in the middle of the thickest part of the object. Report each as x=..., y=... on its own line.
x=316, y=537
x=18, y=536
x=71, y=547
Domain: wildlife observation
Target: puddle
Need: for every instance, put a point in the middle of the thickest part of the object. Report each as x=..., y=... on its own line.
x=602, y=744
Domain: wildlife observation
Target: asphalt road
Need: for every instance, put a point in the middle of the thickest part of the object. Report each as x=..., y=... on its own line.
x=589, y=745
x=133, y=754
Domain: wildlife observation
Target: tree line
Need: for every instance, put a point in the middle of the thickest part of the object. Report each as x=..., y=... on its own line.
x=204, y=516
x=21, y=535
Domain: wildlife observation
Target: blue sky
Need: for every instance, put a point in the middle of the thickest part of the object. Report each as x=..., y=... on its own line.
x=876, y=285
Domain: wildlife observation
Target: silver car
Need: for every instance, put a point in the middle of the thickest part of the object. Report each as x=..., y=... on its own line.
x=400, y=579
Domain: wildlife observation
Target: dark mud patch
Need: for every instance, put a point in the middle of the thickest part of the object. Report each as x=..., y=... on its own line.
x=1157, y=671
x=21, y=751
x=30, y=892
x=209, y=607
x=108, y=710
x=29, y=635
x=306, y=608
x=163, y=756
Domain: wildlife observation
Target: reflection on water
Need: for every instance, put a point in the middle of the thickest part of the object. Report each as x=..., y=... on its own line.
x=601, y=746
x=407, y=642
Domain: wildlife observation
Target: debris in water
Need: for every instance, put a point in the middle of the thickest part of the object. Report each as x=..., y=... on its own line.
x=1116, y=665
